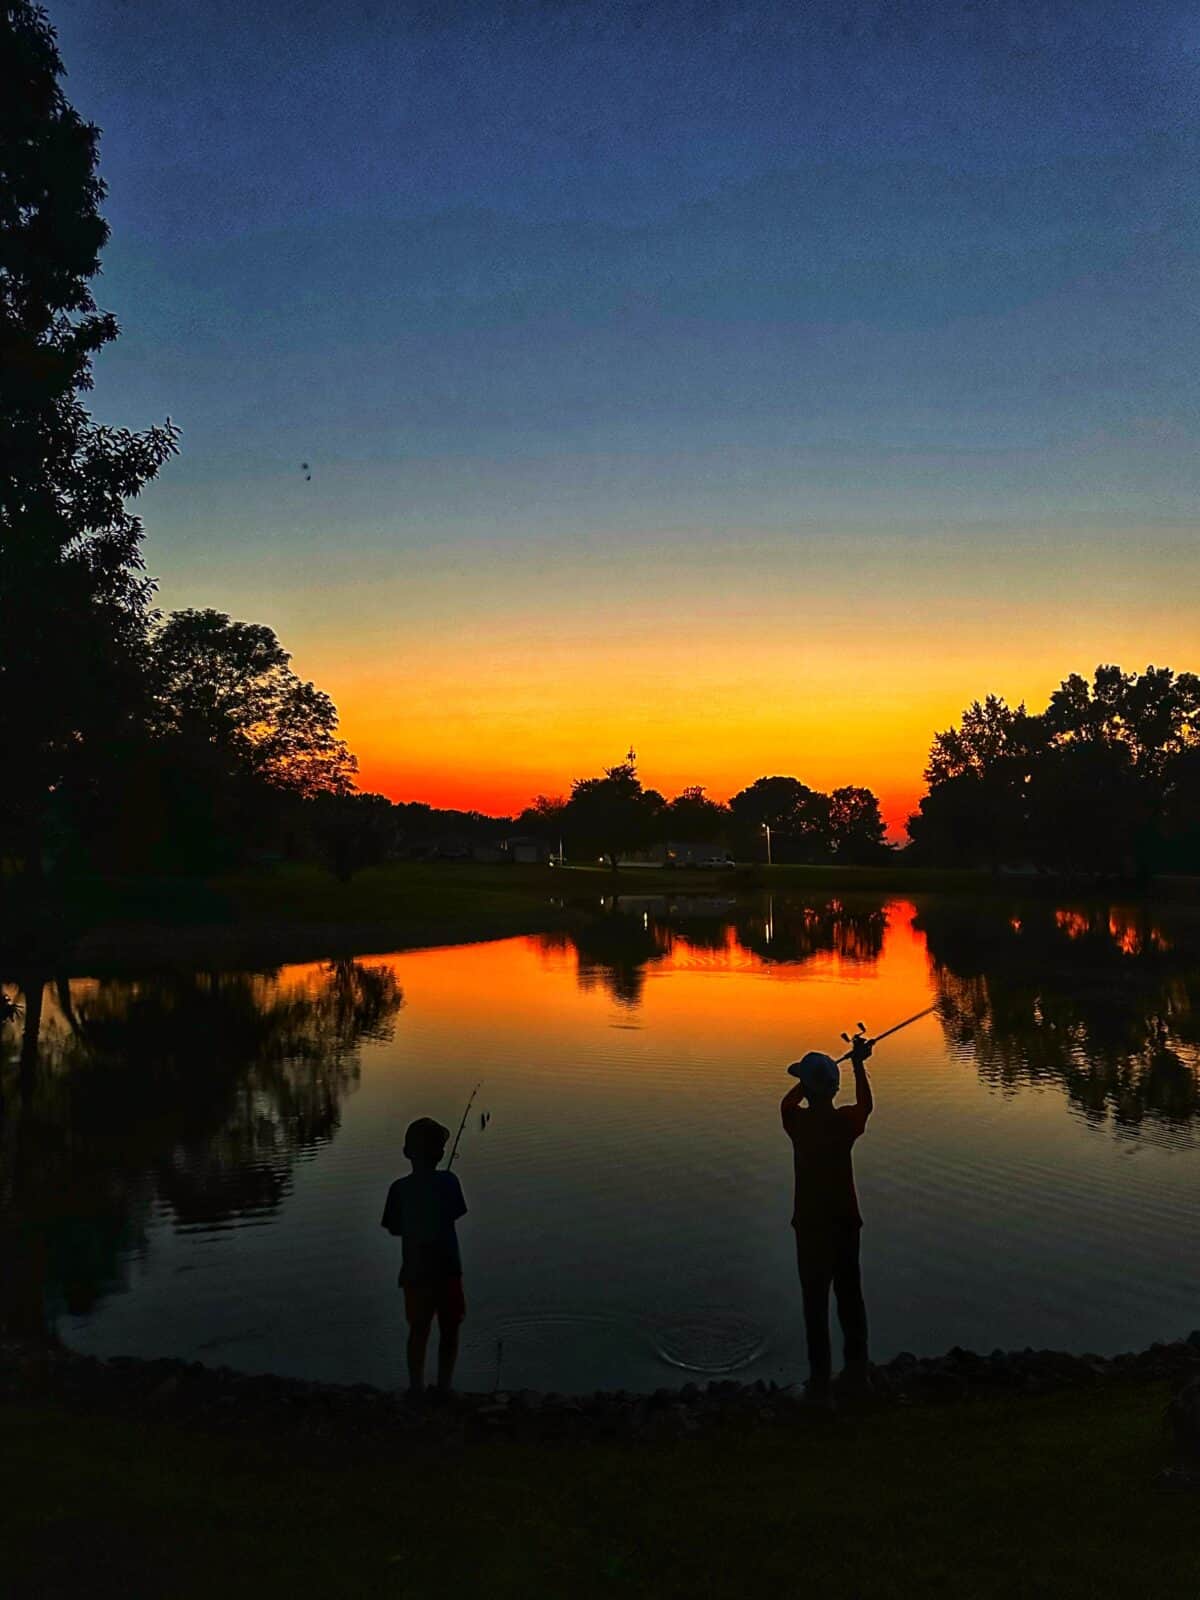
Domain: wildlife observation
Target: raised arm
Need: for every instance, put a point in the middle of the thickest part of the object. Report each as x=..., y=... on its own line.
x=864, y=1100
x=790, y=1102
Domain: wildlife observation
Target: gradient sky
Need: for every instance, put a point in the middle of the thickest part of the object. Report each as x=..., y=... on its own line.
x=755, y=384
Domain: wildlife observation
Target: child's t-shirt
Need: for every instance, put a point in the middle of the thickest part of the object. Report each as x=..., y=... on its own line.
x=423, y=1209
x=821, y=1143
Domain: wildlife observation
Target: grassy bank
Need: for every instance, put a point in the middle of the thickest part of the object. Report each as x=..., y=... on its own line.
x=296, y=913
x=1051, y=1496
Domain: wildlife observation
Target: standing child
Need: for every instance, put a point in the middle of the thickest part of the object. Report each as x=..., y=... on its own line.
x=423, y=1209
x=826, y=1217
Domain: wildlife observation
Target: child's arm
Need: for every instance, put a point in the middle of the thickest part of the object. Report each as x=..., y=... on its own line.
x=790, y=1102
x=864, y=1100
x=391, y=1218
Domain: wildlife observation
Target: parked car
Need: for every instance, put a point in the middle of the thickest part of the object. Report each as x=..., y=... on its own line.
x=715, y=863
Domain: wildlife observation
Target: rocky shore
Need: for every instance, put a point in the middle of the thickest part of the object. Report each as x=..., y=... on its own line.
x=220, y=1398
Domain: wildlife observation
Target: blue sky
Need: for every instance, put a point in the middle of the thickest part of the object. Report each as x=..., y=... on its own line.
x=675, y=301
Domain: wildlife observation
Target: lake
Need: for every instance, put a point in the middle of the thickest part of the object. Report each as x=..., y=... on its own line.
x=194, y=1164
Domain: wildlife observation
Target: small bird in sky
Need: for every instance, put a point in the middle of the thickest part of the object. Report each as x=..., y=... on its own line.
x=305, y=470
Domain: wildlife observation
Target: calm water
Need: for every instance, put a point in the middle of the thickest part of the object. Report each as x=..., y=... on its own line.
x=195, y=1165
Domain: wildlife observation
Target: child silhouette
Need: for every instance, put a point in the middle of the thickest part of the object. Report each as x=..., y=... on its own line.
x=825, y=1216
x=422, y=1210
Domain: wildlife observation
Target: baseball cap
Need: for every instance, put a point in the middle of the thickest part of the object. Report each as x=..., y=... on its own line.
x=818, y=1073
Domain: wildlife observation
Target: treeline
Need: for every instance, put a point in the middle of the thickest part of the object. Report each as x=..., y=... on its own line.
x=778, y=818
x=1104, y=781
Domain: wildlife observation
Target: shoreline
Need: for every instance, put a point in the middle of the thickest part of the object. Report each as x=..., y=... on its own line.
x=301, y=914
x=222, y=1397
x=247, y=947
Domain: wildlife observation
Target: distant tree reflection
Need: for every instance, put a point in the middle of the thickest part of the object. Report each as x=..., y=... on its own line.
x=787, y=931
x=196, y=1092
x=612, y=951
x=1104, y=1001
x=617, y=946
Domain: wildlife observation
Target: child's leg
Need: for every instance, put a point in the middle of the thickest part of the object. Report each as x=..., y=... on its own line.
x=852, y=1308
x=447, y=1353
x=418, y=1339
x=815, y=1290
x=814, y=1287
x=452, y=1308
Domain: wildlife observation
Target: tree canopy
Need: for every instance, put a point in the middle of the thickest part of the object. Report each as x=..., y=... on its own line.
x=228, y=685
x=612, y=814
x=1102, y=781
x=74, y=597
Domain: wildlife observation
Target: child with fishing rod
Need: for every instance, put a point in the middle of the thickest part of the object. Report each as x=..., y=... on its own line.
x=825, y=1216
x=422, y=1210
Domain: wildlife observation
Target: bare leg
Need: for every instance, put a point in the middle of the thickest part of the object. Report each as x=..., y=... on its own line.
x=418, y=1338
x=447, y=1354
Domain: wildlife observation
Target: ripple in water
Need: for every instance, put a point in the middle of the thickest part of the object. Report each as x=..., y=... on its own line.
x=713, y=1340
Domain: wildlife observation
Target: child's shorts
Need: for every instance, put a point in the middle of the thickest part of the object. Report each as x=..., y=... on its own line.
x=442, y=1299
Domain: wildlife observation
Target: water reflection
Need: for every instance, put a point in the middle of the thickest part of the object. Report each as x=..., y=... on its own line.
x=630, y=934
x=1104, y=1001
x=193, y=1092
x=793, y=932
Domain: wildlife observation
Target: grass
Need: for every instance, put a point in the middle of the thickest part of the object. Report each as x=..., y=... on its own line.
x=1054, y=1497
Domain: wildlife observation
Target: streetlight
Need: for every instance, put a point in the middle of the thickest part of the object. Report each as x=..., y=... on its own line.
x=767, y=831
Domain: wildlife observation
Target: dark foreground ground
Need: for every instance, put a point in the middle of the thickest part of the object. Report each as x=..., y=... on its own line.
x=1063, y=1494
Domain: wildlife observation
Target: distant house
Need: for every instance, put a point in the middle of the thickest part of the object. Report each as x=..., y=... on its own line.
x=489, y=854
x=527, y=849
x=692, y=853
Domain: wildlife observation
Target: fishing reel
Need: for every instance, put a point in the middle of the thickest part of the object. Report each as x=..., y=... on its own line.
x=10, y=1009
x=860, y=1032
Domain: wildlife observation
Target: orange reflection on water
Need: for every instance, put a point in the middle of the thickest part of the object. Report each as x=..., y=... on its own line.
x=671, y=983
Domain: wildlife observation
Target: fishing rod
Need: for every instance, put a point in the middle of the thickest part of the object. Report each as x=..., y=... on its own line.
x=887, y=1033
x=462, y=1124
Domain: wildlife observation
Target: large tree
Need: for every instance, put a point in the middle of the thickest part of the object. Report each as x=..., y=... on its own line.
x=977, y=806
x=857, y=829
x=1154, y=716
x=797, y=816
x=74, y=597
x=612, y=814
x=1102, y=781
x=692, y=816
x=227, y=686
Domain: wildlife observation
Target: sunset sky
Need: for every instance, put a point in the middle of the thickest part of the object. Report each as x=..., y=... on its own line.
x=755, y=384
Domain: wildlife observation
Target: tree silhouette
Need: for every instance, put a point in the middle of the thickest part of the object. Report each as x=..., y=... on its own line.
x=227, y=686
x=976, y=809
x=691, y=815
x=856, y=828
x=612, y=814
x=73, y=594
x=1102, y=781
x=798, y=817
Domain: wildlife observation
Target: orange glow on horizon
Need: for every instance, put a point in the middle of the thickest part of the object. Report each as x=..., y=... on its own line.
x=507, y=795
x=718, y=666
